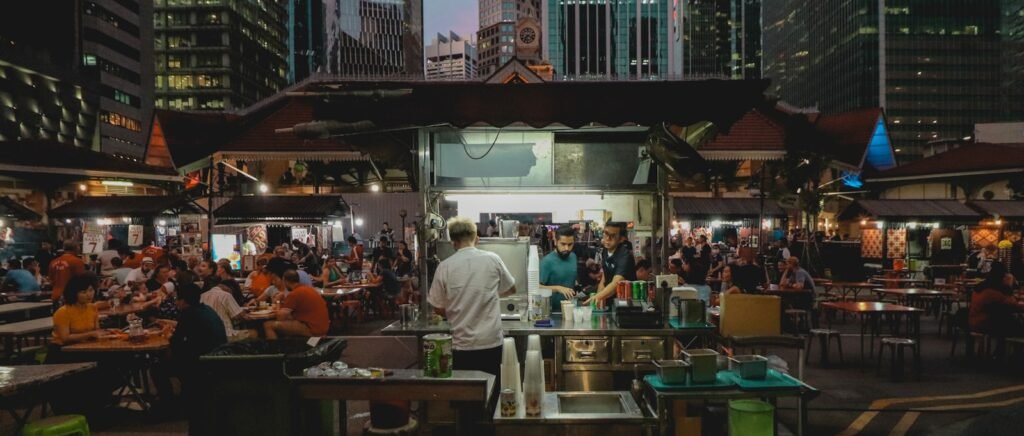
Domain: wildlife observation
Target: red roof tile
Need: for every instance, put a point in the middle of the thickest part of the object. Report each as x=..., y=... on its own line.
x=755, y=131
x=969, y=158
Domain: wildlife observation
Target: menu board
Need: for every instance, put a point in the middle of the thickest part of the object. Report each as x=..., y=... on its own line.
x=134, y=235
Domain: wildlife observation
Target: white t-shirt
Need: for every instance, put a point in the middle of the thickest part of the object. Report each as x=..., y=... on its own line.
x=466, y=285
x=224, y=304
x=105, y=267
x=138, y=276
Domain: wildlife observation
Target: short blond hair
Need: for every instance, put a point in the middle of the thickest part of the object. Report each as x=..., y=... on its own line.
x=461, y=229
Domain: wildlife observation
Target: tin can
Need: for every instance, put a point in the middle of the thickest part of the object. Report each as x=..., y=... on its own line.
x=636, y=290
x=643, y=291
x=509, y=405
x=437, y=355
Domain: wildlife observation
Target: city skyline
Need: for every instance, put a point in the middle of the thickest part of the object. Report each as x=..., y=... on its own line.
x=442, y=16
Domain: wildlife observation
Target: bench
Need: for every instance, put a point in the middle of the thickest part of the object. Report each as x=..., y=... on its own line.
x=15, y=333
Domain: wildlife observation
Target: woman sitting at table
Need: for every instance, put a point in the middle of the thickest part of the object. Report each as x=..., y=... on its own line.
x=259, y=280
x=332, y=275
x=162, y=288
x=78, y=319
x=993, y=305
x=227, y=280
x=728, y=286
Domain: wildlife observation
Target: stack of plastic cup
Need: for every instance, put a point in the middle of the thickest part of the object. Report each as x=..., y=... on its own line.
x=533, y=383
x=533, y=344
x=510, y=367
x=567, y=312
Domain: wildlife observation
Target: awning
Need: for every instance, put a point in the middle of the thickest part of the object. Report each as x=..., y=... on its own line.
x=46, y=158
x=11, y=209
x=726, y=208
x=1013, y=209
x=305, y=209
x=136, y=206
x=908, y=210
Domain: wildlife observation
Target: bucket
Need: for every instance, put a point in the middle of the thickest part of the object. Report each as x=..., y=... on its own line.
x=389, y=414
x=751, y=418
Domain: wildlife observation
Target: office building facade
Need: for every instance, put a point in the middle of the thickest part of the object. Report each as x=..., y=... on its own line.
x=612, y=39
x=307, y=34
x=450, y=58
x=936, y=67
x=505, y=25
x=378, y=39
x=719, y=38
x=218, y=54
x=77, y=72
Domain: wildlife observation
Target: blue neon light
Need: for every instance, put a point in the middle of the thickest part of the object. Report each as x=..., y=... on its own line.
x=880, y=155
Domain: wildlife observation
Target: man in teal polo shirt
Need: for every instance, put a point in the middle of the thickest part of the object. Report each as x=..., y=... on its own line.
x=558, y=268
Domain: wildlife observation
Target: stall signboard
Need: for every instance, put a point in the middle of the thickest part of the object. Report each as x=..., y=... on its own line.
x=946, y=243
x=93, y=238
x=134, y=235
x=299, y=233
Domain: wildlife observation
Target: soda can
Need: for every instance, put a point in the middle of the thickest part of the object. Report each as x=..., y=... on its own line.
x=509, y=405
x=636, y=290
x=643, y=291
x=437, y=355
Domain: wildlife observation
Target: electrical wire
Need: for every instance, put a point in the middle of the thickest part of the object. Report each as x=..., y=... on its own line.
x=495, y=141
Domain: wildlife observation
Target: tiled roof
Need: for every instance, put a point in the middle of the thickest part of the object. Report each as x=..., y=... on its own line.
x=849, y=133
x=909, y=210
x=281, y=208
x=1000, y=208
x=191, y=136
x=139, y=206
x=725, y=208
x=973, y=158
x=23, y=156
x=10, y=208
x=757, y=130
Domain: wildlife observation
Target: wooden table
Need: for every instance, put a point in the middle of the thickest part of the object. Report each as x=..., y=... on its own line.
x=847, y=288
x=870, y=314
x=26, y=296
x=32, y=382
x=25, y=308
x=899, y=282
x=125, y=309
x=14, y=332
x=340, y=292
x=153, y=342
x=259, y=315
x=134, y=356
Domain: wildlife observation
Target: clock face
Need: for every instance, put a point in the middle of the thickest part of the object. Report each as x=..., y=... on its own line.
x=528, y=35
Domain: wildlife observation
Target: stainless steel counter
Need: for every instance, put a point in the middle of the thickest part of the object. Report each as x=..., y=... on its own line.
x=599, y=325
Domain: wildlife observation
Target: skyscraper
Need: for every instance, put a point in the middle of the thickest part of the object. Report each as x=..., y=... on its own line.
x=378, y=38
x=307, y=52
x=612, y=38
x=720, y=38
x=499, y=28
x=218, y=54
x=451, y=58
x=936, y=66
x=88, y=59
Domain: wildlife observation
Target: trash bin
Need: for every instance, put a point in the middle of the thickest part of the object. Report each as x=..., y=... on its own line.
x=751, y=418
x=244, y=388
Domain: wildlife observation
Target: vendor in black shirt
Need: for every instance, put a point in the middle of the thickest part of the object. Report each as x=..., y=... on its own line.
x=617, y=261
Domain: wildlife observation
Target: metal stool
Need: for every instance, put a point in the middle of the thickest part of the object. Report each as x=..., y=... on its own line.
x=800, y=318
x=896, y=346
x=825, y=337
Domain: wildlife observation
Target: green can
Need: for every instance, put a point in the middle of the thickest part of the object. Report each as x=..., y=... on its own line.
x=636, y=290
x=437, y=355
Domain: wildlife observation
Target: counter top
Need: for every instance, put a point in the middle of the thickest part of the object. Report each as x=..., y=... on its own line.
x=600, y=324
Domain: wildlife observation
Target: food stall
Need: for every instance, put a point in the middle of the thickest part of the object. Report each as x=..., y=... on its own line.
x=733, y=221
x=138, y=221
x=246, y=226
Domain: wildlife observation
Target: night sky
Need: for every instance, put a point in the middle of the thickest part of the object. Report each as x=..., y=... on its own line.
x=441, y=16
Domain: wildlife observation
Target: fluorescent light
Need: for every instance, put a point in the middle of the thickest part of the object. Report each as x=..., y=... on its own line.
x=716, y=224
x=117, y=183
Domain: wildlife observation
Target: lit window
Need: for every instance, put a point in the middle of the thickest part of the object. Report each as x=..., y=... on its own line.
x=89, y=60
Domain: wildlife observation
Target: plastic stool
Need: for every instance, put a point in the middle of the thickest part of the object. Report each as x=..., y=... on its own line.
x=896, y=346
x=799, y=318
x=60, y=425
x=751, y=418
x=825, y=337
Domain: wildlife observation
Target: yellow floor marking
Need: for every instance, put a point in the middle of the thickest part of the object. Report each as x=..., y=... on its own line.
x=905, y=423
x=971, y=406
x=865, y=418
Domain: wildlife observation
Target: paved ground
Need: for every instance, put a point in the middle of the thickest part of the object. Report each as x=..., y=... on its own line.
x=953, y=397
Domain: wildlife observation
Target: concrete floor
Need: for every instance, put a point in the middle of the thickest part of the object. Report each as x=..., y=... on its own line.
x=953, y=397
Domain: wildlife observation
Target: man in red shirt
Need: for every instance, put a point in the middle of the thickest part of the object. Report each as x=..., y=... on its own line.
x=156, y=253
x=303, y=312
x=63, y=268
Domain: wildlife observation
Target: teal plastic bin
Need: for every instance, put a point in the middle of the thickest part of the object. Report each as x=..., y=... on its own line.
x=751, y=418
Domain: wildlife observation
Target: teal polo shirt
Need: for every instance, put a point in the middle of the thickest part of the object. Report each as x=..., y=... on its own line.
x=555, y=271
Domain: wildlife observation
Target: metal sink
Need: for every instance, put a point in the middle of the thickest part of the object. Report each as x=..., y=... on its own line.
x=590, y=403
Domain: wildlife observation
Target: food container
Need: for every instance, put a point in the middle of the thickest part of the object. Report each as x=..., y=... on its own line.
x=749, y=367
x=672, y=372
x=703, y=364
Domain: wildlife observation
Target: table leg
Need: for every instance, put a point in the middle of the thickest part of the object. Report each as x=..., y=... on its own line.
x=863, y=331
x=801, y=419
x=343, y=416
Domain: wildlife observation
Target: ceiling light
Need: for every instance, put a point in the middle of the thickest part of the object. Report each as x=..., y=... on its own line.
x=374, y=188
x=81, y=187
x=359, y=222
x=264, y=188
x=163, y=223
x=123, y=183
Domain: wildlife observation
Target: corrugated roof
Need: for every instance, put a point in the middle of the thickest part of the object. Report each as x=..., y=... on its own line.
x=972, y=158
x=909, y=209
x=139, y=206
x=281, y=208
x=755, y=131
x=725, y=207
x=9, y=208
x=1001, y=208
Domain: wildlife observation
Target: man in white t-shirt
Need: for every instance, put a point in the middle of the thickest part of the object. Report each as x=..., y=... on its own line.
x=105, y=257
x=466, y=290
x=142, y=273
x=219, y=299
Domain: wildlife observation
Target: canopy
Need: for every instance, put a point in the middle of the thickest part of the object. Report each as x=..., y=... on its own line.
x=726, y=208
x=130, y=206
x=906, y=210
x=307, y=209
x=12, y=209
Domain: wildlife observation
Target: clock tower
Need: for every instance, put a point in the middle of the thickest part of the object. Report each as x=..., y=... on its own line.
x=528, y=40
